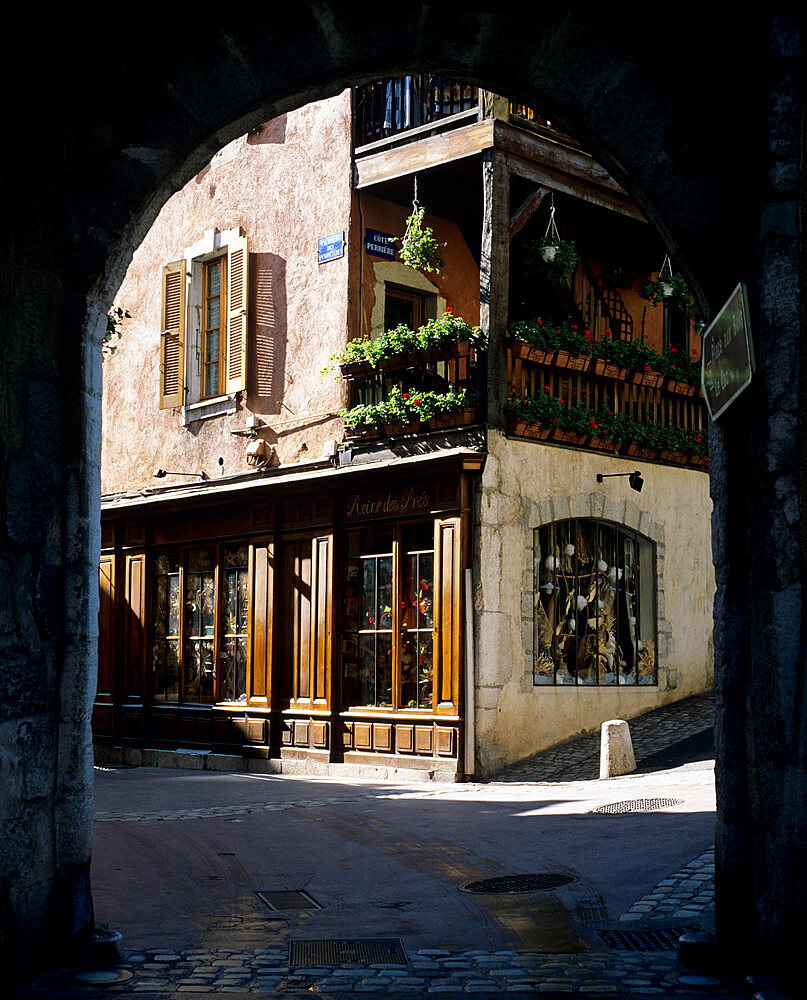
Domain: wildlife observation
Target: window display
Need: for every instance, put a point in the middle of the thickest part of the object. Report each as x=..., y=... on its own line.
x=594, y=605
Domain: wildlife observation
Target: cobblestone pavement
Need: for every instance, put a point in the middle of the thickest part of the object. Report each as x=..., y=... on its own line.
x=579, y=759
x=683, y=900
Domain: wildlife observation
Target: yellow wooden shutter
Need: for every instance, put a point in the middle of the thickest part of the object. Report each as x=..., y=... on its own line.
x=237, y=273
x=172, y=337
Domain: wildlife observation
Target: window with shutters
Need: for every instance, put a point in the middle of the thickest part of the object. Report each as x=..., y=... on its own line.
x=203, y=351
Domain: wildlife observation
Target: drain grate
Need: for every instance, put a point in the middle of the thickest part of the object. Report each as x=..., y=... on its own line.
x=653, y=939
x=388, y=951
x=536, y=882
x=288, y=900
x=637, y=806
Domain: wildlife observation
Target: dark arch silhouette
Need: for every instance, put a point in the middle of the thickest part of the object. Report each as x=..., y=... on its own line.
x=699, y=122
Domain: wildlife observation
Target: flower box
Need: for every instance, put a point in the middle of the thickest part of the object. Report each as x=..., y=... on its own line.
x=525, y=429
x=574, y=362
x=680, y=388
x=460, y=419
x=606, y=369
x=676, y=457
x=537, y=355
x=362, y=432
x=601, y=443
x=356, y=369
x=399, y=427
x=702, y=461
x=651, y=379
x=636, y=450
x=568, y=437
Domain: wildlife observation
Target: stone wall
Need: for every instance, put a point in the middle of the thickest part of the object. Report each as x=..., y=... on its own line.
x=526, y=485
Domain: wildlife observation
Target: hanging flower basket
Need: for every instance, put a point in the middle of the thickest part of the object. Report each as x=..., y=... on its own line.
x=419, y=248
x=553, y=257
x=669, y=287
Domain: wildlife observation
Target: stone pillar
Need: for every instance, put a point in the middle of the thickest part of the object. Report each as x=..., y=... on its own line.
x=759, y=487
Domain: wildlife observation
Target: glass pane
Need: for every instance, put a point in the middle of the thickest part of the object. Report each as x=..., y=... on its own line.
x=368, y=597
x=172, y=670
x=212, y=379
x=200, y=560
x=384, y=600
x=173, y=604
x=384, y=671
x=425, y=670
x=214, y=277
x=213, y=324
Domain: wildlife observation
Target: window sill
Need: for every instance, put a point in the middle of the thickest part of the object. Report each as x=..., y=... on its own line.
x=218, y=406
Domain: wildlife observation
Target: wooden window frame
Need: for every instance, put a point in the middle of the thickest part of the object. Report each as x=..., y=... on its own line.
x=446, y=639
x=407, y=295
x=218, y=636
x=221, y=360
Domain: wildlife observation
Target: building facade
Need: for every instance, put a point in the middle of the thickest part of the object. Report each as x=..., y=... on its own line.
x=406, y=554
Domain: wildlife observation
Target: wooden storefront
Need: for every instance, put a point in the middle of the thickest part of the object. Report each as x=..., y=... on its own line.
x=320, y=621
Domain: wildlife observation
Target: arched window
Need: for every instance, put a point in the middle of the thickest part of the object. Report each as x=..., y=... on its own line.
x=594, y=605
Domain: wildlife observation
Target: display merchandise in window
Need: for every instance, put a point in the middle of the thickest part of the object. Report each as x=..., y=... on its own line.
x=594, y=605
x=192, y=661
x=387, y=624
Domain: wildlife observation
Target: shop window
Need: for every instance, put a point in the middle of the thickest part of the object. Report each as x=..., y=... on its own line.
x=203, y=342
x=594, y=605
x=388, y=618
x=200, y=629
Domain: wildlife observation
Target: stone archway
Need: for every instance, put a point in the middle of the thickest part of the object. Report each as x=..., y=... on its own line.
x=711, y=157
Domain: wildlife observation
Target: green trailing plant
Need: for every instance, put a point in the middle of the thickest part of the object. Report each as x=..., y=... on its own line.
x=113, y=331
x=419, y=248
x=407, y=405
x=449, y=329
x=669, y=287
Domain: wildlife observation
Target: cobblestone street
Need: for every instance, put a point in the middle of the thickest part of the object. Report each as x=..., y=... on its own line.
x=683, y=899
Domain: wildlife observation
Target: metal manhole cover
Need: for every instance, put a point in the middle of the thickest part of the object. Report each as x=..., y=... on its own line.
x=389, y=951
x=637, y=806
x=536, y=882
x=288, y=900
x=652, y=939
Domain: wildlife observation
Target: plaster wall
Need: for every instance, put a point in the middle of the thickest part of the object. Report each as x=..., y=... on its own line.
x=525, y=485
x=457, y=284
x=286, y=185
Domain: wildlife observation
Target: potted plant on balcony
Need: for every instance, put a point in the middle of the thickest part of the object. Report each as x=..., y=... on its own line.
x=448, y=337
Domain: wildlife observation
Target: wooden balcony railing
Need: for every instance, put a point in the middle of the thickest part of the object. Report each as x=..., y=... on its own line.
x=648, y=398
x=391, y=107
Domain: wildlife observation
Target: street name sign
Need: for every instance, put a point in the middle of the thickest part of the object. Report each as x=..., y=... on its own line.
x=330, y=247
x=727, y=356
x=378, y=244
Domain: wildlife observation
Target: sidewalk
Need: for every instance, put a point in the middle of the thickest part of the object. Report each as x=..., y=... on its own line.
x=390, y=861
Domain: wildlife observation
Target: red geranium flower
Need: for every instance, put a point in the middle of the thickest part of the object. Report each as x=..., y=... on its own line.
x=647, y=368
x=406, y=395
x=415, y=402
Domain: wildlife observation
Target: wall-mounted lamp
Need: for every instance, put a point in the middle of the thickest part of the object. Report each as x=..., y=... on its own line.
x=162, y=473
x=634, y=478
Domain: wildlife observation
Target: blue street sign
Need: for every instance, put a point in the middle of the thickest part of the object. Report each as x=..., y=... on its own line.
x=330, y=247
x=379, y=244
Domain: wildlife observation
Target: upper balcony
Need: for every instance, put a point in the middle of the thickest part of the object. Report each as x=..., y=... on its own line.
x=409, y=124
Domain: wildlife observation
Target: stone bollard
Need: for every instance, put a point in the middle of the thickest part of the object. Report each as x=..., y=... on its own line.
x=616, y=749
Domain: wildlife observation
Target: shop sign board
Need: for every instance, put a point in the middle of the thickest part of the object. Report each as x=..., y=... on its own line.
x=727, y=358
x=378, y=244
x=404, y=500
x=330, y=247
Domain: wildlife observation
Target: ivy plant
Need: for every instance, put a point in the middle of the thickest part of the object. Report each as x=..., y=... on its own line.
x=114, y=318
x=553, y=258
